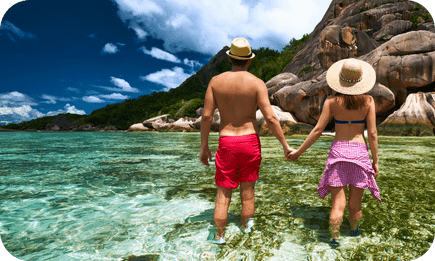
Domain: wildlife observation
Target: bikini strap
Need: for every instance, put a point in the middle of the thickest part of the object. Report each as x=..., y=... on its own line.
x=349, y=122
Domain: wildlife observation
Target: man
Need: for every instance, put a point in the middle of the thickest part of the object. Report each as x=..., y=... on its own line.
x=237, y=94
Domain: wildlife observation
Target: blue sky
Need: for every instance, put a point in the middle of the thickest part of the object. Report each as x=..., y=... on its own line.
x=79, y=56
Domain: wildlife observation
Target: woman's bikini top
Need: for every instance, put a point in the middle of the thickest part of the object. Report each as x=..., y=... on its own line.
x=349, y=122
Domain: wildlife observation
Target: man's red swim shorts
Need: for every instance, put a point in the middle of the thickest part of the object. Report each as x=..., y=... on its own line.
x=237, y=160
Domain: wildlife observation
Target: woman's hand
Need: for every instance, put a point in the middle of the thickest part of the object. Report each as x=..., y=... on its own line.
x=294, y=155
x=205, y=155
x=376, y=169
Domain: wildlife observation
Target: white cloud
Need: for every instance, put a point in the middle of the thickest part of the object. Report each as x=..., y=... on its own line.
x=110, y=48
x=24, y=111
x=50, y=99
x=18, y=114
x=114, y=96
x=141, y=34
x=168, y=78
x=208, y=25
x=68, y=108
x=123, y=85
x=12, y=32
x=73, y=110
x=16, y=99
x=192, y=63
x=92, y=99
x=161, y=55
x=102, y=98
x=16, y=107
x=71, y=89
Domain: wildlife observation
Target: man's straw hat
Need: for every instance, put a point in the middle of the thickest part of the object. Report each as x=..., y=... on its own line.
x=240, y=49
x=351, y=76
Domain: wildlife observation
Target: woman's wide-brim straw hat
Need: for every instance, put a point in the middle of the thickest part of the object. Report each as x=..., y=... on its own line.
x=351, y=77
x=240, y=49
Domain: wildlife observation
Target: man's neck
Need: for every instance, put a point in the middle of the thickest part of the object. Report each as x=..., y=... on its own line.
x=239, y=69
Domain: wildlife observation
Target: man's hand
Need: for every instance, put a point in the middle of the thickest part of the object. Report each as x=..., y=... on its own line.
x=294, y=155
x=205, y=155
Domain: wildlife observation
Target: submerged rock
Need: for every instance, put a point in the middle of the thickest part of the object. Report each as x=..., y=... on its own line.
x=416, y=117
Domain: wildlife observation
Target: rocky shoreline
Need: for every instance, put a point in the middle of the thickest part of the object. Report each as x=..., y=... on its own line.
x=161, y=123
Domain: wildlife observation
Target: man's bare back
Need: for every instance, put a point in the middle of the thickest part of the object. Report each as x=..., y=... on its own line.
x=235, y=95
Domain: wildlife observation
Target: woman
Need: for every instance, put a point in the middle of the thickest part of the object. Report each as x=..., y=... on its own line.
x=348, y=161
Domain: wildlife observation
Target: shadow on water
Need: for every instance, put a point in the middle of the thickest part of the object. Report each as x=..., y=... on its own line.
x=315, y=219
x=150, y=257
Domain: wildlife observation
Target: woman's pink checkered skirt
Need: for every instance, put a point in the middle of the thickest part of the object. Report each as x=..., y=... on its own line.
x=348, y=163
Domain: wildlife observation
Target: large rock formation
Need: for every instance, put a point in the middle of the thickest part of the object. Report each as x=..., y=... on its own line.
x=283, y=117
x=397, y=39
x=406, y=61
x=341, y=42
x=288, y=123
x=350, y=23
x=392, y=29
x=138, y=127
x=215, y=124
x=280, y=81
x=153, y=123
x=416, y=117
x=305, y=100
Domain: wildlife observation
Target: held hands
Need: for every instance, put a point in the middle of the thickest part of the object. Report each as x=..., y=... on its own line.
x=294, y=155
x=205, y=155
x=290, y=154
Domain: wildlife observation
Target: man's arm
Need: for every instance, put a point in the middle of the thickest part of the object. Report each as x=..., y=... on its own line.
x=207, y=117
x=270, y=117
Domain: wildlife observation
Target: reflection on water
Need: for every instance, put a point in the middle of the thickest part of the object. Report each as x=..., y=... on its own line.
x=145, y=196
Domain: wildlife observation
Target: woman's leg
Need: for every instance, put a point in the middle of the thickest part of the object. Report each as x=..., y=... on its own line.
x=338, y=196
x=355, y=212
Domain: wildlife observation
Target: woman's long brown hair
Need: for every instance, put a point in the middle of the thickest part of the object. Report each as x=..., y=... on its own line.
x=352, y=102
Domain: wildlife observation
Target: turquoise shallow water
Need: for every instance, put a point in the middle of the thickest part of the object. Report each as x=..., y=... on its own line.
x=145, y=196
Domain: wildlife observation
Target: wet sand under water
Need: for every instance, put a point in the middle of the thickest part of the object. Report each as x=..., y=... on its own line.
x=145, y=196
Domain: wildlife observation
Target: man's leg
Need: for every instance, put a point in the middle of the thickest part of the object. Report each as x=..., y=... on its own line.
x=223, y=199
x=248, y=201
x=355, y=212
x=338, y=198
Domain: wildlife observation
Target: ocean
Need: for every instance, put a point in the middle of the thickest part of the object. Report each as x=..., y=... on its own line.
x=145, y=196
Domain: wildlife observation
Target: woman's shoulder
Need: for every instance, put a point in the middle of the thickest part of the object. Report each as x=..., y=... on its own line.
x=330, y=100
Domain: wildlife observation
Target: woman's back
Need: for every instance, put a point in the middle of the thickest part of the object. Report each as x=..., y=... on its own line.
x=350, y=115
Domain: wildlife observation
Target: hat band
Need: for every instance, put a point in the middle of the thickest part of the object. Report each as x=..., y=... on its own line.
x=352, y=81
x=246, y=56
